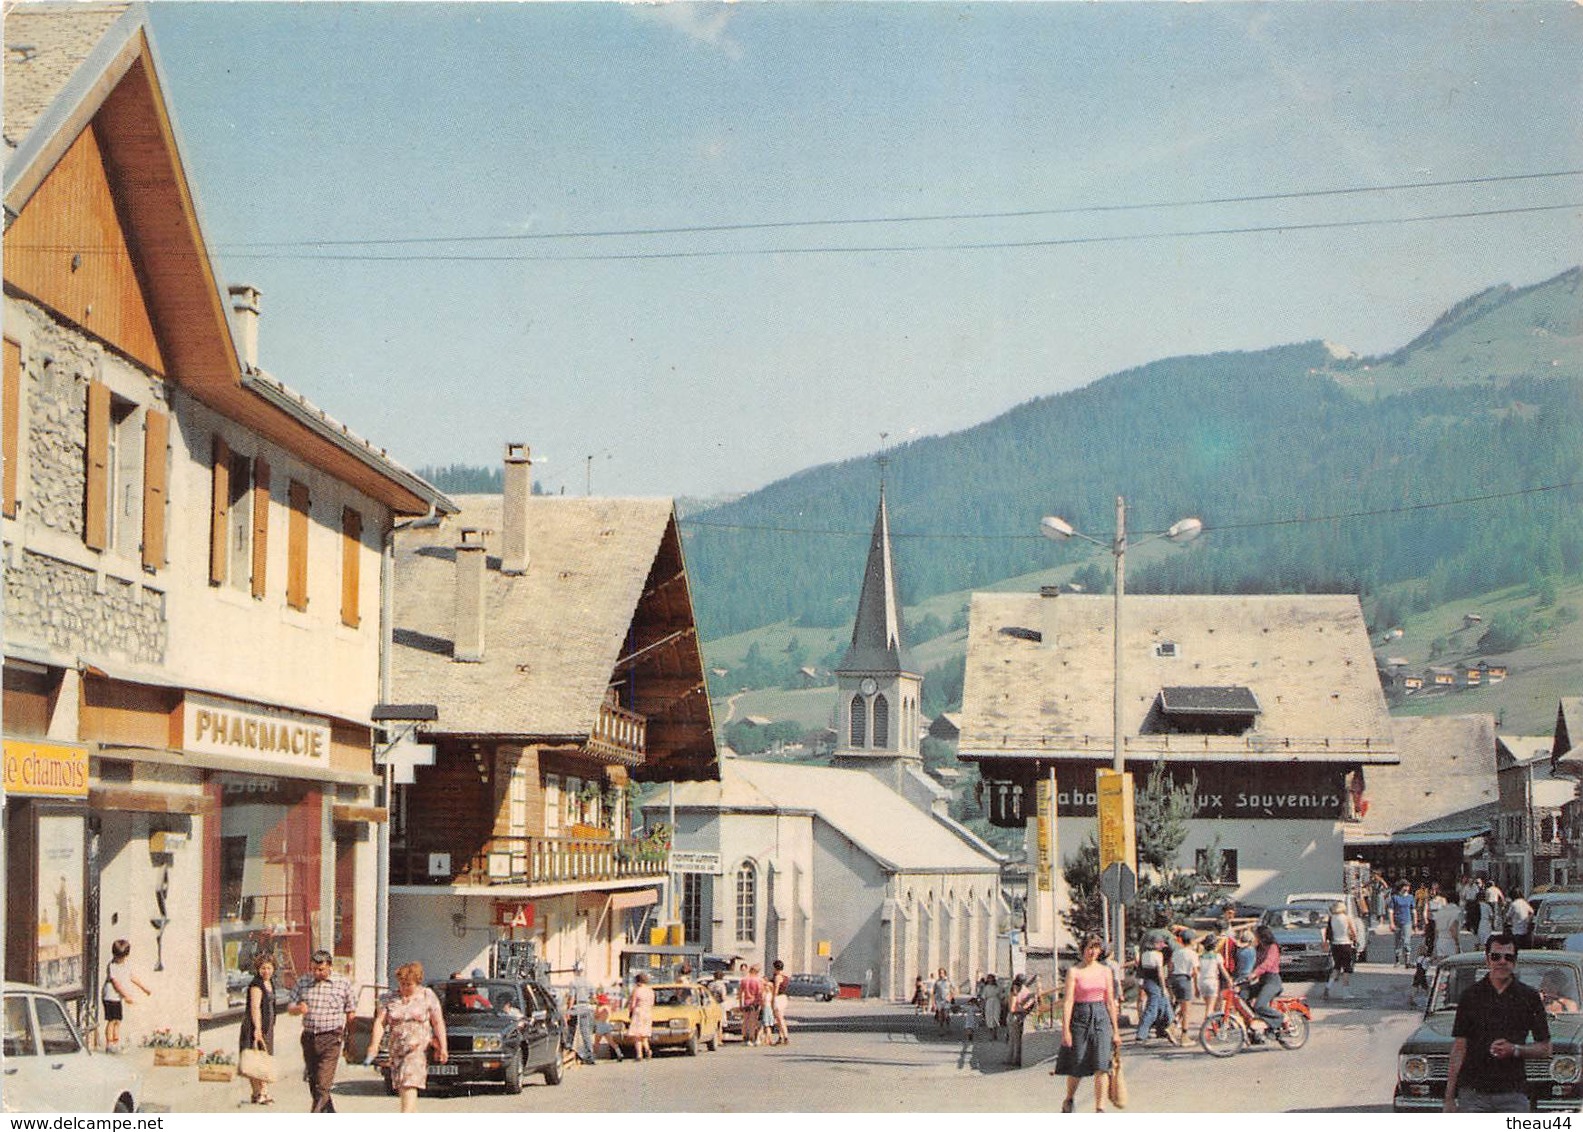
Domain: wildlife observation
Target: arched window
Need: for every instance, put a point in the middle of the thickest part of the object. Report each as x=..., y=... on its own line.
x=881, y=721
x=859, y=722
x=747, y=902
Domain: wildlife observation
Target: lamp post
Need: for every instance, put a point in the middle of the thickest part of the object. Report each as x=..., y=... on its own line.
x=1058, y=529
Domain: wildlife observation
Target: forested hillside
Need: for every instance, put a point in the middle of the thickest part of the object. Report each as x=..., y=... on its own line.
x=1487, y=404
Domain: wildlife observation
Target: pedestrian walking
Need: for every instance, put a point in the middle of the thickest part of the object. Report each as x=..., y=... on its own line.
x=258, y=1024
x=118, y=983
x=640, y=1017
x=1090, y=1028
x=941, y=998
x=1489, y=913
x=1024, y=993
x=1183, y=979
x=1342, y=932
x=581, y=999
x=750, y=997
x=1447, y=919
x=1520, y=919
x=1495, y=1018
x=327, y=1005
x=1154, y=1006
x=780, y=999
x=416, y=1021
x=1212, y=974
x=994, y=1006
x=1401, y=910
x=920, y=998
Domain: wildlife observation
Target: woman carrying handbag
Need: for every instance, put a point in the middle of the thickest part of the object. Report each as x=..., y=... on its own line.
x=256, y=1061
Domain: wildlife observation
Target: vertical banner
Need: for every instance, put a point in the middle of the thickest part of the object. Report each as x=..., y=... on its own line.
x=1045, y=797
x=1117, y=829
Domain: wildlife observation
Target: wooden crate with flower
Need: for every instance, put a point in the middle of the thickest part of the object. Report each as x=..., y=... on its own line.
x=171, y=1048
x=217, y=1065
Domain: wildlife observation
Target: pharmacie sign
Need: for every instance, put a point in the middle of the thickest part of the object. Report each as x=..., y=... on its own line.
x=45, y=770
x=220, y=727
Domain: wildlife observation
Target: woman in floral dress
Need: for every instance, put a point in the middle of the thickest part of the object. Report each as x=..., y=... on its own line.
x=416, y=1019
x=640, y=1016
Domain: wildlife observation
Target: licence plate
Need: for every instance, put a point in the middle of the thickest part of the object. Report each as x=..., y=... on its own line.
x=445, y=1070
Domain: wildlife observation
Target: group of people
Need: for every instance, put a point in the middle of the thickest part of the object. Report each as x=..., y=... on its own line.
x=1462, y=920
x=763, y=1002
x=997, y=1007
x=1176, y=969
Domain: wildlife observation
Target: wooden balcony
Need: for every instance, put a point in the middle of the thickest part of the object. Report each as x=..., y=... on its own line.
x=619, y=735
x=536, y=860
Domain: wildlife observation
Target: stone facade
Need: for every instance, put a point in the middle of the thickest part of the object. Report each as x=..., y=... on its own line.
x=57, y=380
x=62, y=605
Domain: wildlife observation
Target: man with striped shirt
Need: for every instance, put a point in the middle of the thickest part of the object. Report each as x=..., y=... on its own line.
x=327, y=1004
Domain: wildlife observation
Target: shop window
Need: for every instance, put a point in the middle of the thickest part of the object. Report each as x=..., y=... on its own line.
x=859, y=728
x=693, y=886
x=11, y=402
x=747, y=904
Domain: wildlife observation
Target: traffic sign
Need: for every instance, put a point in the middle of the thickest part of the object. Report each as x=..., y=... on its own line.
x=1118, y=884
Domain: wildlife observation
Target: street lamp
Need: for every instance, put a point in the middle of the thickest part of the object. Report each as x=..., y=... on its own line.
x=1058, y=529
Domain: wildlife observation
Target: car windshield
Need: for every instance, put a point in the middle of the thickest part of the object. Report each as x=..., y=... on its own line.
x=481, y=998
x=675, y=996
x=1556, y=982
x=1567, y=914
x=1296, y=917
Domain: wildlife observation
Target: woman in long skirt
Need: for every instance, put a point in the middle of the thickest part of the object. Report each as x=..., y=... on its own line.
x=1090, y=1032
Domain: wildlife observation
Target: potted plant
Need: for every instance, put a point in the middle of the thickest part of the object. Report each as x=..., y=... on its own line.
x=216, y=1065
x=171, y=1048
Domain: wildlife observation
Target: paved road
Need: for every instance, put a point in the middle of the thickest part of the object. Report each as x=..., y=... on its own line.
x=871, y=1057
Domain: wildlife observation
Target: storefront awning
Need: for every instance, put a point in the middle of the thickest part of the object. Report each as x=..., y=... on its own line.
x=620, y=901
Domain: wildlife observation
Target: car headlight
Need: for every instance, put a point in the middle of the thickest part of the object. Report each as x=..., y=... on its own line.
x=1412, y=1067
x=1566, y=1067
x=679, y=1024
x=486, y=1044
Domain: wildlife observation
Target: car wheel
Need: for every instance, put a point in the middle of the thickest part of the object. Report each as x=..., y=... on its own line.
x=692, y=1044
x=555, y=1071
x=714, y=1040
x=826, y=997
x=514, y=1074
x=125, y=1103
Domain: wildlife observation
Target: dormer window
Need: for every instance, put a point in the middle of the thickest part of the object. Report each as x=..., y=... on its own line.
x=1204, y=710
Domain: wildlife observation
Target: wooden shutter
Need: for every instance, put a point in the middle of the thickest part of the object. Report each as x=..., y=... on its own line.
x=260, y=525
x=220, y=514
x=351, y=548
x=12, y=425
x=96, y=529
x=156, y=437
x=297, y=547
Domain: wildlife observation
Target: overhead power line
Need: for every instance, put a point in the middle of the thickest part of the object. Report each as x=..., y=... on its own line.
x=1209, y=528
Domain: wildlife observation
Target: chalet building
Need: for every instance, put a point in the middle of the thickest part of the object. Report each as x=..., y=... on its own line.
x=1566, y=760
x=1530, y=837
x=1270, y=704
x=554, y=641
x=857, y=867
x=1431, y=816
x=192, y=628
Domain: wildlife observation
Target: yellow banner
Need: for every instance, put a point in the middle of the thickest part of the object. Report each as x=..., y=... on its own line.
x=1045, y=801
x=45, y=770
x=1117, y=836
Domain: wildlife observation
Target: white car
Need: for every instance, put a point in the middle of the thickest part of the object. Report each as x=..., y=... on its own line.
x=47, y=1066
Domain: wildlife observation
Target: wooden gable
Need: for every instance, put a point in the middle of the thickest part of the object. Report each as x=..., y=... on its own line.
x=69, y=251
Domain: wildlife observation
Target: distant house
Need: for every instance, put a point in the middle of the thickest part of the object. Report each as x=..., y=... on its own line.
x=1412, y=683
x=1529, y=837
x=1438, y=677
x=808, y=677
x=1566, y=759
x=1471, y=619
x=1493, y=673
x=947, y=725
x=757, y=720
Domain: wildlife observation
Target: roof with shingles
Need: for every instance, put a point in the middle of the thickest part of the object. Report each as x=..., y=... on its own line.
x=860, y=807
x=1304, y=658
x=45, y=46
x=1445, y=781
x=878, y=643
x=552, y=636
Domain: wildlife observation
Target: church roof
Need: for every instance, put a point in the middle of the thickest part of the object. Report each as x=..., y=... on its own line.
x=877, y=641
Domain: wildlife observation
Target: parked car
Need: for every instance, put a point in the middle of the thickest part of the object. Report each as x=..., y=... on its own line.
x=686, y=1015
x=47, y=1066
x=1553, y=1084
x=1299, y=929
x=1207, y=916
x=497, y=1030
x=1560, y=914
x=1354, y=908
x=821, y=987
x=731, y=1003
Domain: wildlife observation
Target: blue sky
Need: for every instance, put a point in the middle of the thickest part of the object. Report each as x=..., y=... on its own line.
x=312, y=130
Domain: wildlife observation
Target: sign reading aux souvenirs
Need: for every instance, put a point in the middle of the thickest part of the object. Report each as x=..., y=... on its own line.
x=221, y=727
x=1289, y=791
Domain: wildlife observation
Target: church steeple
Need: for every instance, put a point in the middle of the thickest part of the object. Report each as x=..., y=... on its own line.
x=877, y=634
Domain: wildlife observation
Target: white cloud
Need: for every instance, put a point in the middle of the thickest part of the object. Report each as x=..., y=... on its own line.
x=702, y=23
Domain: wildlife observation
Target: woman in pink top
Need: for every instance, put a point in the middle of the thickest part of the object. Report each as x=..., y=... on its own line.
x=1090, y=1031
x=1266, y=979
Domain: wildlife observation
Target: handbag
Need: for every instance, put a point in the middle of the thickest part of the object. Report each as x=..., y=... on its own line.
x=1118, y=1083
x=257, y=1064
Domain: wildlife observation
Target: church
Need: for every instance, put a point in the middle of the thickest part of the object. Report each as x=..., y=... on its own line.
x=855, y=868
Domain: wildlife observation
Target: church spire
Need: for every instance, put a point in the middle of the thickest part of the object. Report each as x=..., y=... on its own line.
x=877, y=642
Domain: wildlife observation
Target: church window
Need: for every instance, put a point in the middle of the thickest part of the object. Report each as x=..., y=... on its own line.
x=859, y=729
x=881, y=721
x=747, y=903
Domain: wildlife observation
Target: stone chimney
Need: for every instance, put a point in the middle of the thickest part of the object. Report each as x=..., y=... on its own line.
x=244, y=318
x=468, y=642
x=514, y=509
x=1048, y=606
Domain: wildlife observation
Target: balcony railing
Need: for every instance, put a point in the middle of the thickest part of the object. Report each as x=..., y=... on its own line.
x=619, y=734
x=533, y=860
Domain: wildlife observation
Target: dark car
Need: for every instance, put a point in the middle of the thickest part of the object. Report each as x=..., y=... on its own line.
x=497, y=1030
x=822, y=987
x=1560, y=915
x=1299, y=929
x=1553, y=1082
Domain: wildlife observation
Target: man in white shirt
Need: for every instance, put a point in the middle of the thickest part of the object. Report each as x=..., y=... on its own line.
x=1447, y=918
x=1520, y=920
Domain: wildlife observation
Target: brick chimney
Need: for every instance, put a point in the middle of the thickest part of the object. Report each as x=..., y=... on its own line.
x=1048, y=606
x=514, y=521
x=468, y=642
x=244, y=318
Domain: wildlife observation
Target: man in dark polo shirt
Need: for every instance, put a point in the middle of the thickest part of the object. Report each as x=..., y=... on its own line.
x=1494, y=1020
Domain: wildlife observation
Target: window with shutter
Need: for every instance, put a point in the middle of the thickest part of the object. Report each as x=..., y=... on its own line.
x=156, y=460
x=260, y=524
x=220, y=513
x=12, y=424
x=297, y=546
x=96, y=512
x=351, y=564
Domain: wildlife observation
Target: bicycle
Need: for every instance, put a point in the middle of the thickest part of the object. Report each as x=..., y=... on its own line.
x=1226, y=1031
